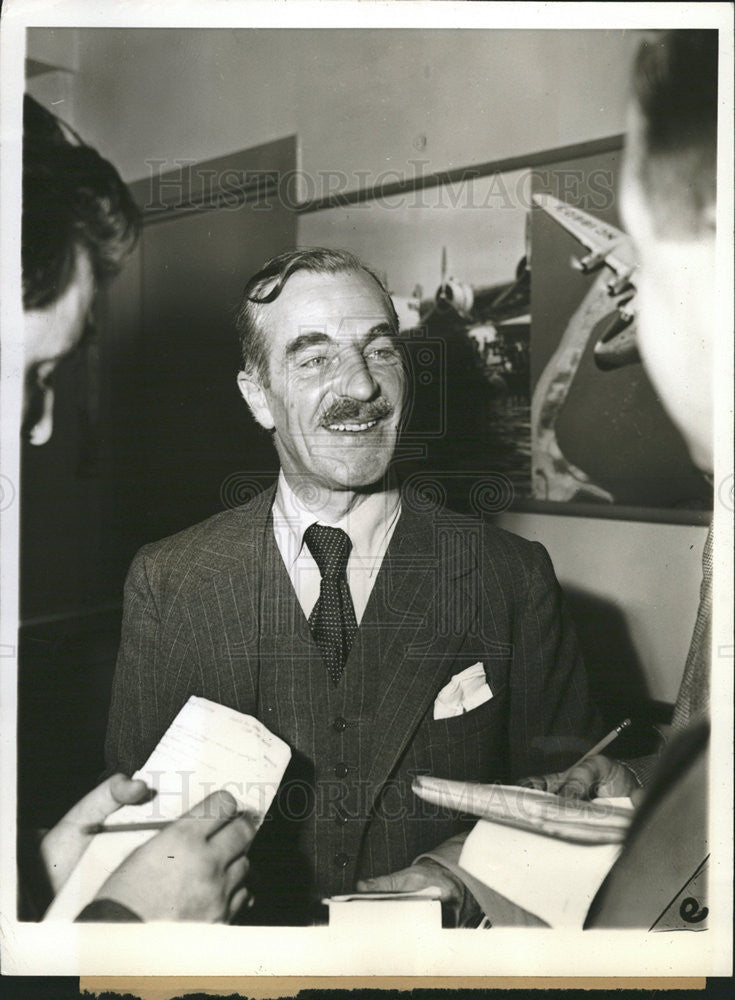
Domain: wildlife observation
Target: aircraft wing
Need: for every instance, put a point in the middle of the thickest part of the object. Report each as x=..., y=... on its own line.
x=604, y=241
x=622, y=258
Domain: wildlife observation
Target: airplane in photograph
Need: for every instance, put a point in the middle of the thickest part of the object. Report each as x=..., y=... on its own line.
x=496, y=304
x=611, y=247
x=495, y=318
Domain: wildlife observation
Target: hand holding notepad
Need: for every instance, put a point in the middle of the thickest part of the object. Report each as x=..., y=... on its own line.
x=207, y=747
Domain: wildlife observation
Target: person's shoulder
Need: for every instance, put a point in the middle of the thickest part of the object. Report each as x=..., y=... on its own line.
x=213, y=544
x=476, y=525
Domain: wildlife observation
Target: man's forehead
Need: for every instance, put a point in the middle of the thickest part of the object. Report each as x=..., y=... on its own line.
x=350, y=298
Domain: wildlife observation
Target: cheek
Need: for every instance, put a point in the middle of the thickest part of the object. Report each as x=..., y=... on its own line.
x=393, y=385
x=301, y=403
x=652, y=324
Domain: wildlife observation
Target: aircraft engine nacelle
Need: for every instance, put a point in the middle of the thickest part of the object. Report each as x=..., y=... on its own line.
x=454, y=295
x=618, y=285
x=589, y=263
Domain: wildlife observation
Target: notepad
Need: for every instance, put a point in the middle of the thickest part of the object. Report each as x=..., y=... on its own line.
x=414, y=913
x=552, y=878
x=207, y=747
x=602, y=821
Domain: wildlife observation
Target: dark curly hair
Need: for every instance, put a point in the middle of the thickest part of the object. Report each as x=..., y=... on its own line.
x=72, y=199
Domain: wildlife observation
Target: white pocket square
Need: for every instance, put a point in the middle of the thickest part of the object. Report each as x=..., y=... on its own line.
x=466, y=690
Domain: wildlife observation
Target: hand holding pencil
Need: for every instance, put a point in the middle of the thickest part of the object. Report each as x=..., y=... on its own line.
x=593, y=775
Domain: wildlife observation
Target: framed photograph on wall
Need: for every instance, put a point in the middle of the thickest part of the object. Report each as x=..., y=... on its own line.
x=515, y=289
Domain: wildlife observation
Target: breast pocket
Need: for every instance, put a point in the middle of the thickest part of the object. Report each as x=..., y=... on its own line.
x=466, y=726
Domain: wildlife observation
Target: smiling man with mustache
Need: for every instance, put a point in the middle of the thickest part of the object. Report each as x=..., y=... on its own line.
x=379, y=634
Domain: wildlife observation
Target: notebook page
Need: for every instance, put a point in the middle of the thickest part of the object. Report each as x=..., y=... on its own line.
x=207, y=747
x=552, y=878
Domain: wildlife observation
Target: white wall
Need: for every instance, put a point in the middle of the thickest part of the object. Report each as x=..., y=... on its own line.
x=650, y=572
x=358, y=99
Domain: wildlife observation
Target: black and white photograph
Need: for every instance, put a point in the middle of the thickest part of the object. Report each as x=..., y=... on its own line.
x=366, y=498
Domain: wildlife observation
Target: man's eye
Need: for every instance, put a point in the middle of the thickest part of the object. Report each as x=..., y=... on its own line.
x=311, y=364
x=383, y=354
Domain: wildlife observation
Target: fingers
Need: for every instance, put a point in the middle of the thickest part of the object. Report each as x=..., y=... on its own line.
x=240, y=899
x=232, y=839
x=538, y=782
x=418, y=876
x=382, y=883
x=598, y=775
x=405, y=880
x=637, y=796
x=235, y=875
x=583, y=780
x=212, y=813
x=127, y=791
x=578, y=782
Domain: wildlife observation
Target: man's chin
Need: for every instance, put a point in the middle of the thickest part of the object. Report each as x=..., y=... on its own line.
x=358, y=476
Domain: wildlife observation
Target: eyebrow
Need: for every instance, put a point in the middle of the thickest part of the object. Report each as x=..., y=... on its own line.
x=305, y=340
x=316, y=337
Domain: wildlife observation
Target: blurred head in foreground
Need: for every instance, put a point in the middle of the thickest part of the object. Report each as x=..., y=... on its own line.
x=668, y=206
x=79, y=222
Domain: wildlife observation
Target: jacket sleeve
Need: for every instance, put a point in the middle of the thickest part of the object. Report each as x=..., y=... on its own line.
x=499, y=910
x=552, y=721
x=107, y=911
x=132, y=725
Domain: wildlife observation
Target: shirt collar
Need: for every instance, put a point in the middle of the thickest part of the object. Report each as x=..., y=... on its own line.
x=367, y=524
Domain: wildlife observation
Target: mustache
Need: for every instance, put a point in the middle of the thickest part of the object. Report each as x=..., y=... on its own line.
x=353, y=411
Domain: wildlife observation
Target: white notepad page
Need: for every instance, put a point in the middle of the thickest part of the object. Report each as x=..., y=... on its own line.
x=207, y=747
x=552, y=878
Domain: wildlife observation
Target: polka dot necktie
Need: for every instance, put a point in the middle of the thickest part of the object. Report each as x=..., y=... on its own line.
x=332, y=622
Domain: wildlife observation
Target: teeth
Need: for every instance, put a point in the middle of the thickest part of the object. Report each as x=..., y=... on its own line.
x=353, y=428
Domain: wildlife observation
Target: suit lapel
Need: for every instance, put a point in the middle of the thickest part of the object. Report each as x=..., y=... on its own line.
x=422, y=603
x=232, y=566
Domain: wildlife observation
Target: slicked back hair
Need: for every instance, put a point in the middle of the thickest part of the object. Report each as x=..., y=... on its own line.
x=675, y=160
x=265, y=287
x=73, y=199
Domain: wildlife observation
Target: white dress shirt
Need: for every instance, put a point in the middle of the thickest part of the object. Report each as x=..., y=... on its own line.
x=370, y=525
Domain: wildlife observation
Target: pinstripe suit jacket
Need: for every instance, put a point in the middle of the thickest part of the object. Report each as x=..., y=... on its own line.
x=211, y=611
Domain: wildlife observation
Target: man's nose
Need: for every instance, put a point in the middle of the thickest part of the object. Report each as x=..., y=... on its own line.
x=354, y=379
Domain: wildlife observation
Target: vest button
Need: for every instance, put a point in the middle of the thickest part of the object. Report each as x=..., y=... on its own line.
x=340, y=724
x=340, y=818
x=341, y=860
x=341, y=770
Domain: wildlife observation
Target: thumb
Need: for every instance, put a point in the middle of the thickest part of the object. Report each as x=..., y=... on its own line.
x=381, y=883
x=103, y=800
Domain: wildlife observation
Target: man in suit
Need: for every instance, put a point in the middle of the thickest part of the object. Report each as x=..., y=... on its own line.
x=79, y=222
x=380, y=635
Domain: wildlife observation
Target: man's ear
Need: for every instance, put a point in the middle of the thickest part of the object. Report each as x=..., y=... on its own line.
x=254, y=395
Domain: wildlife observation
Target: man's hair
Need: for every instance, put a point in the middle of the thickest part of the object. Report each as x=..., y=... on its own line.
x=269, y=282
x=73, y=200
x=675, y=91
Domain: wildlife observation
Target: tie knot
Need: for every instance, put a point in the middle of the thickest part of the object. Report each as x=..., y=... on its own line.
x=330, y=547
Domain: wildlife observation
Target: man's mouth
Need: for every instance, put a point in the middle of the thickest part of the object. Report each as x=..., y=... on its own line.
x=350, y=417
x=350, y=428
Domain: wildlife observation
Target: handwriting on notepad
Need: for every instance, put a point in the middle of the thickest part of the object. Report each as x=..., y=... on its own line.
x=206, y=747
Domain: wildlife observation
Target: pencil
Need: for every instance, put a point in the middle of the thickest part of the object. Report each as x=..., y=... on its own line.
x=598, y=747
x=156, y=824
